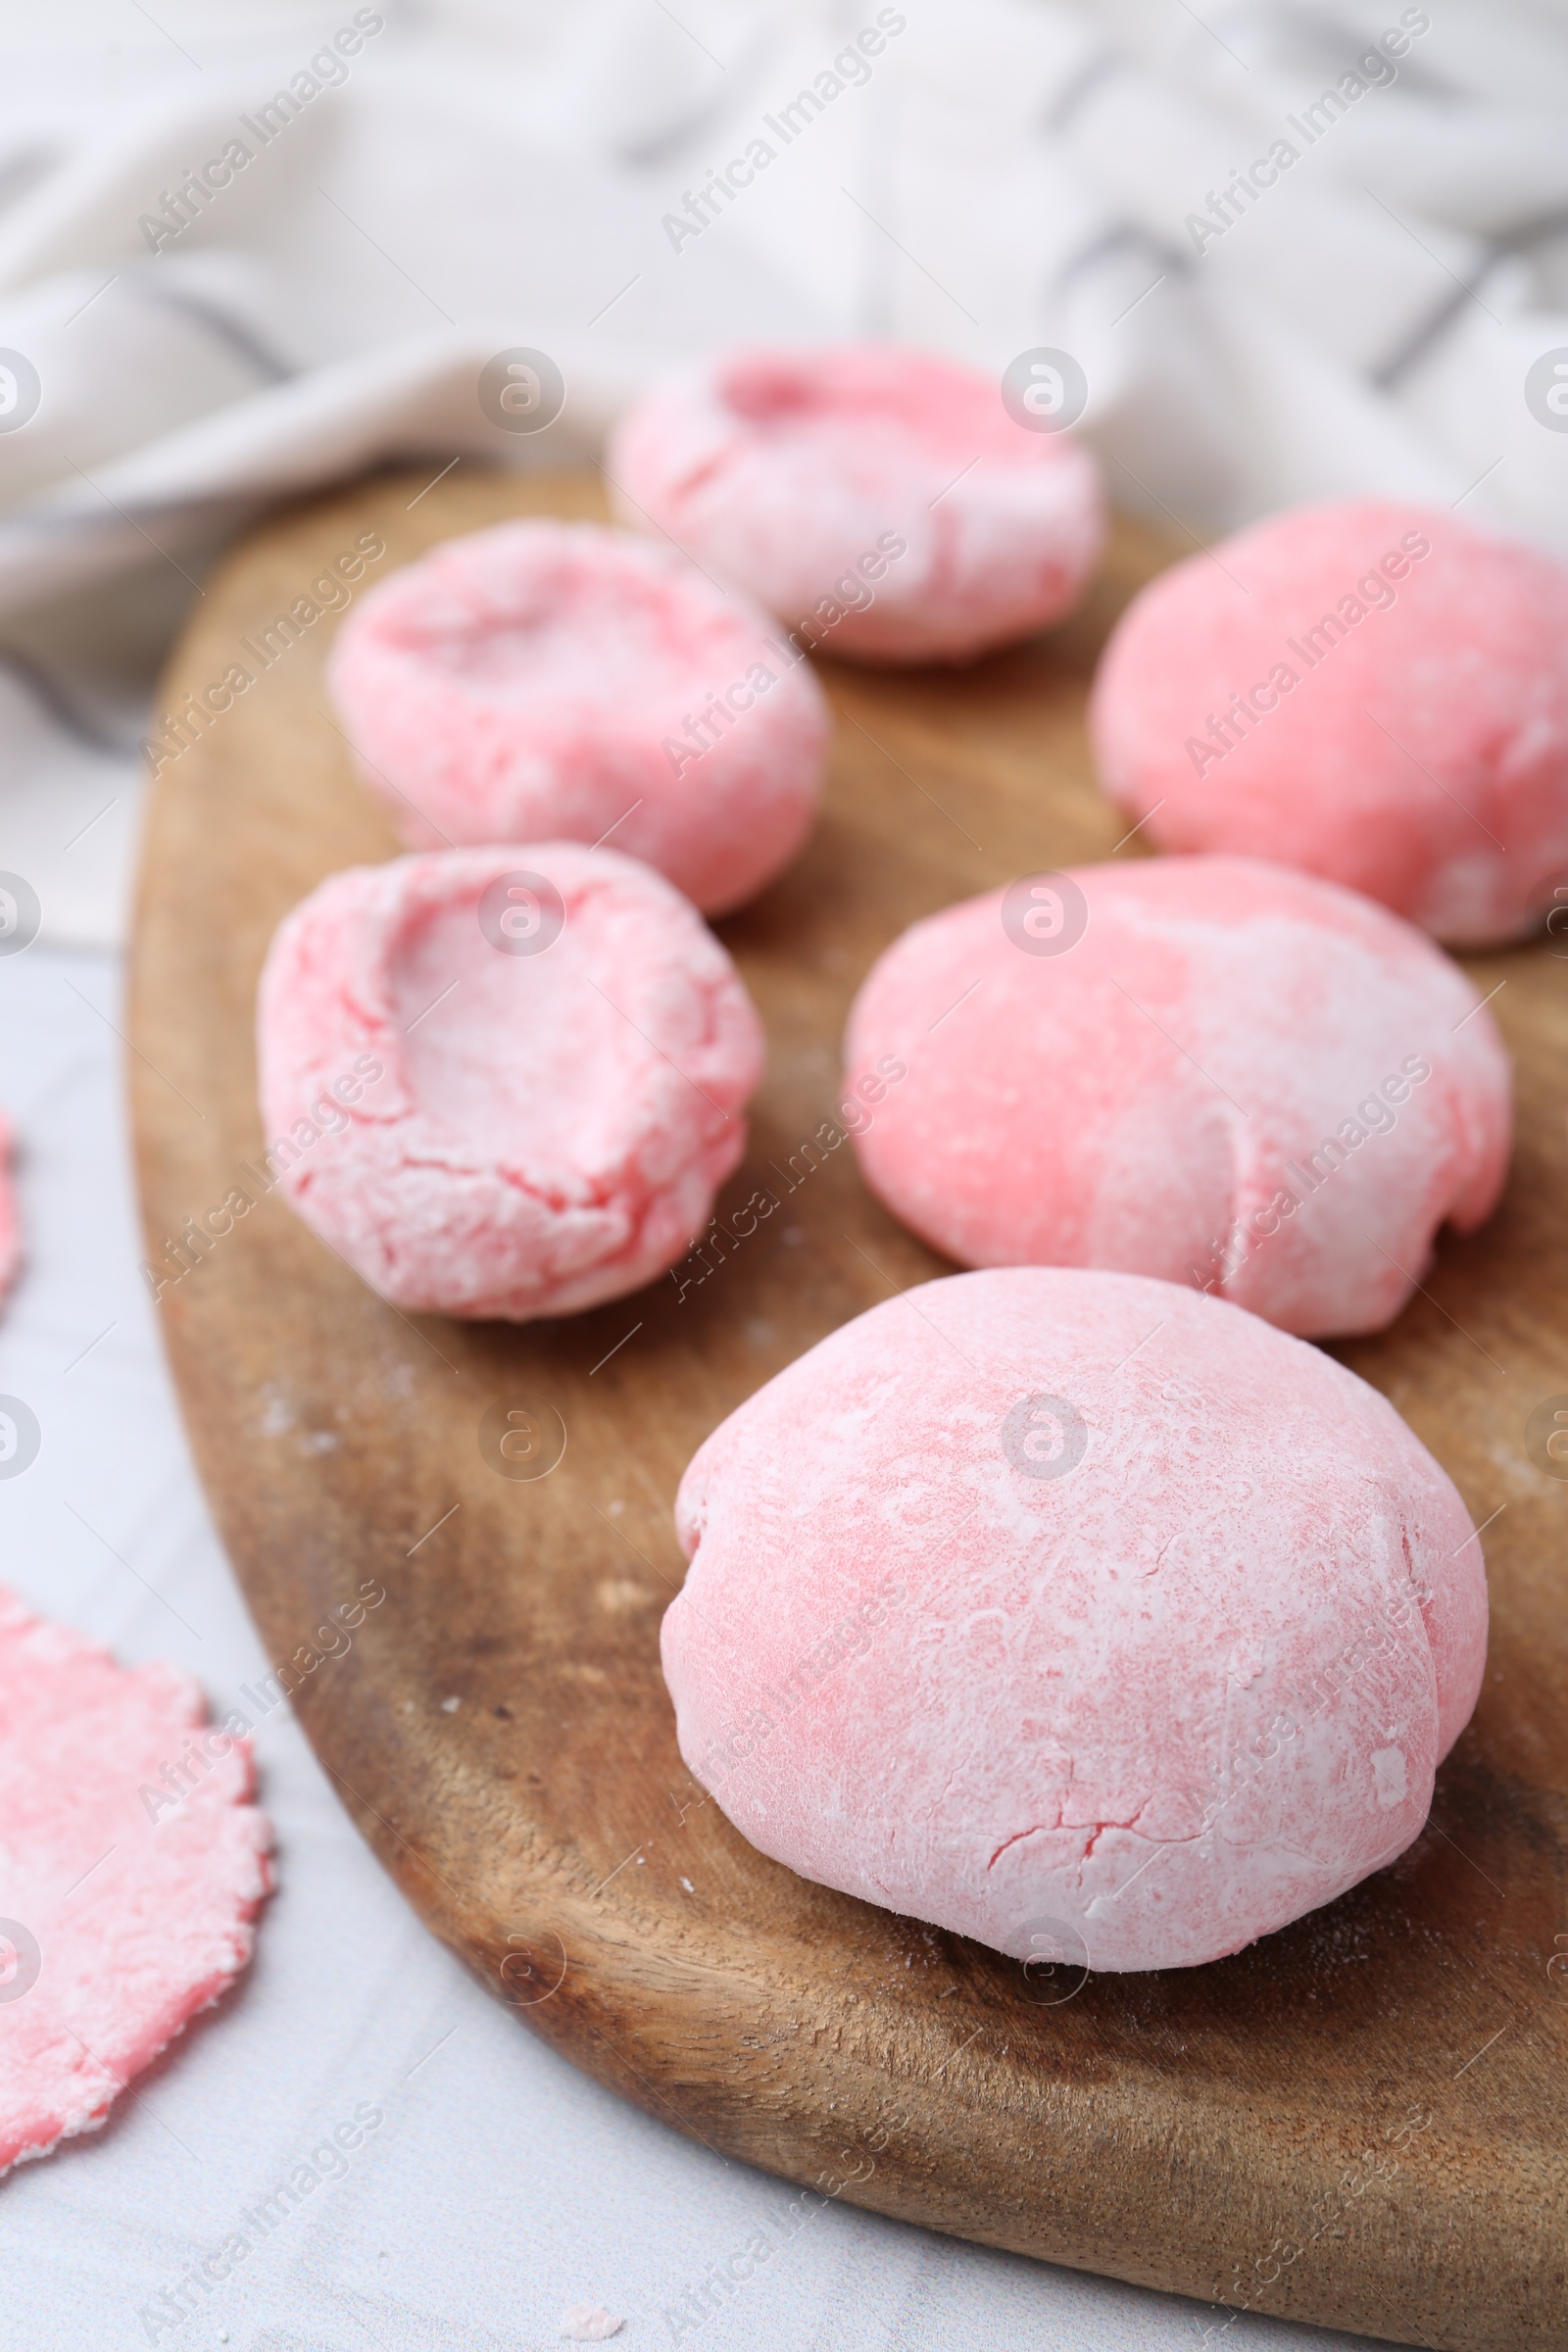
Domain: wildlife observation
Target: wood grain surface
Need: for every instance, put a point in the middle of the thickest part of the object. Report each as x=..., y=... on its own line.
x=1358, y=2121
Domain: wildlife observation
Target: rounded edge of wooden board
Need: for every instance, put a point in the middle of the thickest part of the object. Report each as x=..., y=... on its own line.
x=624, y=2008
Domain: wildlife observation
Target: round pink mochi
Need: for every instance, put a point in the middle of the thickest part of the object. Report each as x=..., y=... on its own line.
x=548, y=681
x=881, y=501
x=1374, y=692
x=505, y=1081
x=1076, y=1614
x=131, y=1867
x=1207, y=1069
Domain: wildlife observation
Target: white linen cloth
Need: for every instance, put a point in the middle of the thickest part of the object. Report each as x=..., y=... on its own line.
x=1000, y=175
x=1006, y=176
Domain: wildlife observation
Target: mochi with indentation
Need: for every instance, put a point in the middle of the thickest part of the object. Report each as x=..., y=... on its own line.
x=1207, y=1069
x=546, y=681
x=1375, y=692
x=131, y=1867
x=880, y=499
x=503, y=1080
x=1074, y=1613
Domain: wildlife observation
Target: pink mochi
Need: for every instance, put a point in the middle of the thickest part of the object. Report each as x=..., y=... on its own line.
x=1207, y=1069
x=879, y=499
x=1076, y=1614
x=503, y=1080
x=1374, y=692
x=131, y=1867
x=546, y=681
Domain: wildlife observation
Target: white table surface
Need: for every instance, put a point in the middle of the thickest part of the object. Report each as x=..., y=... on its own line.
x=502, y=2185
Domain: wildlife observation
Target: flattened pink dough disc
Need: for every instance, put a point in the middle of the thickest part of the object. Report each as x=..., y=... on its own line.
x=1136, y=1713
x=541, y=1131
x=794, y=472
x=122, y=1911
x=539, y=682
x=1217, y=1084
x=1422, y=753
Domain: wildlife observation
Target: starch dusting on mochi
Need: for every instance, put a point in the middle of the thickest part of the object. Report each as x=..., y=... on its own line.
x=503, y=1080
x=879, y=499
x=1207, y=1069
x=10, y=1222
x=131, y=1867
x=1073, y=1612
x=550, y=681
x=1375, y=692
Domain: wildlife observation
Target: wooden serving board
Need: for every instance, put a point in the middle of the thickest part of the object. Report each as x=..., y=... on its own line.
x=1359, y=2121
